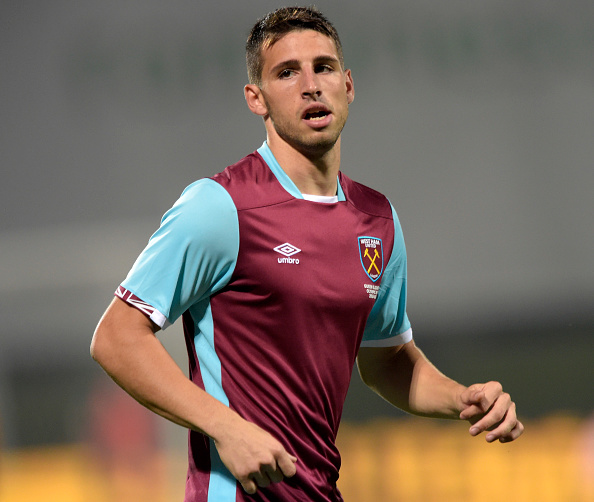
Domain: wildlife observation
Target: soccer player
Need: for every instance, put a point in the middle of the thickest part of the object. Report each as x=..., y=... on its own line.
x=285, y=272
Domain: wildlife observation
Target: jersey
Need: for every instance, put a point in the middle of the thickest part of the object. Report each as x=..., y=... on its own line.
x=277, y=293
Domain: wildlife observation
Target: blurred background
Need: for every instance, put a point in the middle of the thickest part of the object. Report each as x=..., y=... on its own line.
x=475, y=119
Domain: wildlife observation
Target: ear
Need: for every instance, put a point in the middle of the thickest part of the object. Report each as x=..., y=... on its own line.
x=255, y=100
x=350, y=86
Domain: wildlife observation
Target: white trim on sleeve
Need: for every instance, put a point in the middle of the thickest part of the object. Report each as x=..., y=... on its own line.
x=159, y=319
x=151, y=312
x=389, y=342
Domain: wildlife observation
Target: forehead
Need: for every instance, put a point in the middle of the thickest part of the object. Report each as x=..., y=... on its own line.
x=299, y=45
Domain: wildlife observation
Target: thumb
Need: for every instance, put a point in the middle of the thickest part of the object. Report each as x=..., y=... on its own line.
x=472, y=401
x=474, y=394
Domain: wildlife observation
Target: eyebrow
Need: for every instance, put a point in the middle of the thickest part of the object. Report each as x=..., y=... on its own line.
x=290, y=63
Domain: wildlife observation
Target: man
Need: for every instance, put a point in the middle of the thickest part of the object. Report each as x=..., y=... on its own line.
x=285, y=271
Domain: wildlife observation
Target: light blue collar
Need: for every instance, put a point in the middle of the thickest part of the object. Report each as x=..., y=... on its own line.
x=283, y=178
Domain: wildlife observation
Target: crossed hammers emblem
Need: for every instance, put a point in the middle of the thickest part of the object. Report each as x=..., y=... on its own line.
x=372, y=260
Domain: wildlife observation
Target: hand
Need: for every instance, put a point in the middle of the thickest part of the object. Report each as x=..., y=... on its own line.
x=488, y=408
x=253, y=456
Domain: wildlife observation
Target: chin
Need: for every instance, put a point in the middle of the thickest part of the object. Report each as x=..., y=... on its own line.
x=320, y=142
x=319, y=147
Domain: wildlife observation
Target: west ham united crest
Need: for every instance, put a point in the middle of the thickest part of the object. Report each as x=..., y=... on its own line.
x=372, y=256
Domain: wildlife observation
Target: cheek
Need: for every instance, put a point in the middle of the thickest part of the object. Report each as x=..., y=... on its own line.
x=343, y=103
x=283, y=107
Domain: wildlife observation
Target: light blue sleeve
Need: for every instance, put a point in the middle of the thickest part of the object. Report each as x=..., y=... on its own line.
x=388, y=323
x=192, y=254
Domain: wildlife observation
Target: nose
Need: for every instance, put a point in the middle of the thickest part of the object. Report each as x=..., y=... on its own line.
x=310, y=84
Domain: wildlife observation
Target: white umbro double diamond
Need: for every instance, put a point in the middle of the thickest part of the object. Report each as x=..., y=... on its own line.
x=287, y=249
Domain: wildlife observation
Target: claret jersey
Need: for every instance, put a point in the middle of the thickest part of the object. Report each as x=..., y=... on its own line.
x=277, y=293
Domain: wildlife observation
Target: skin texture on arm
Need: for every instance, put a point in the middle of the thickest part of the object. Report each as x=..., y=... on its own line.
x=126, y=347
x=404, y=377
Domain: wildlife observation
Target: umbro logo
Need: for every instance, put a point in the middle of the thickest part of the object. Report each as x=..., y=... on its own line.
x=287, y=250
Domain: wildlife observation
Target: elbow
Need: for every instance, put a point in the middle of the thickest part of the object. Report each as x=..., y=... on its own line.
x=110, y=341
x=93, y=350
x=375, y=364
x=368, y=373
x=99, y=349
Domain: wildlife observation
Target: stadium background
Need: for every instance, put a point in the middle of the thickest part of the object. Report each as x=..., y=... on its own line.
x=476, y=120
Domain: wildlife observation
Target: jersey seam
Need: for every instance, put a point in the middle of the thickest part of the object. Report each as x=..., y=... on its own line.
x=375, y=215
x=271, y=204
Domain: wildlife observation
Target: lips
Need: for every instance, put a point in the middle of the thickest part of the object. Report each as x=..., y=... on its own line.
x=317, y=115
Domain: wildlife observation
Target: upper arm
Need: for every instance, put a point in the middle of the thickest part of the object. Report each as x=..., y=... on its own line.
x=389, y=371
x=119, y=326
x=375, y=363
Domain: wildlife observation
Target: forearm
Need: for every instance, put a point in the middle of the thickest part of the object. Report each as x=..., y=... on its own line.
x=407, y=379
x=125, y=345
x=432, y=393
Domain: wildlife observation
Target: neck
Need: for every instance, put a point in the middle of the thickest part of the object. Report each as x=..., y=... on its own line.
x=313, y=174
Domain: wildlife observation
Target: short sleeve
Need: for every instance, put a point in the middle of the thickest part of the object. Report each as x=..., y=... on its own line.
x=388, y=322
x=192, y=254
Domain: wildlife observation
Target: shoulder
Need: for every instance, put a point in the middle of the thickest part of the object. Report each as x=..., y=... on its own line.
x=203, y=209
x=251, y=183
x=365, y=199
x=242, y=171
x=202, y=196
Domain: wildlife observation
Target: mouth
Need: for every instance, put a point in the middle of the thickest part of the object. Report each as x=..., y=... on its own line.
x=317, y=116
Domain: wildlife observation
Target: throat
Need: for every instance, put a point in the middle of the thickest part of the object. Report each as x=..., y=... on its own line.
x=316, y=187
x=312, y=172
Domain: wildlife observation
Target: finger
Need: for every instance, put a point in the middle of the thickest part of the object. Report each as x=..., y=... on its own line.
x=491, y=392
x=476, y=403
x=249, y=486
x=471, y=411
x=261, y=479
x=514, y=434
x=482, y=401
x=502, y=409
x=505, y=428
x=274, y=473
x=472, y=394
x=482, y=395
x=286, y=464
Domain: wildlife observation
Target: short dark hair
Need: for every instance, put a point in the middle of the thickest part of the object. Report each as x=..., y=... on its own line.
x=271, y=28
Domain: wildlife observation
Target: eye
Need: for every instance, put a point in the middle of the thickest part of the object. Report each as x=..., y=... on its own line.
x=324, y=68
x=286, y=73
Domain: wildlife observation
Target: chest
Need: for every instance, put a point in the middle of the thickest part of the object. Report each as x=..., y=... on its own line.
x=324, y=256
